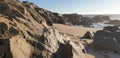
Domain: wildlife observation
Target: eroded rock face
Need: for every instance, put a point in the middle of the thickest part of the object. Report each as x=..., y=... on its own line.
x=19, y=47
x=50, y=17
x=25, y=33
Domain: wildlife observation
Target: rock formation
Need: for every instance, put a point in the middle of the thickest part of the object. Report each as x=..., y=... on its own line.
x=107, y=39
x=25, y=32
x=114, y=22
x=76, y=19
x=111, y=28
x=88, y=35
x=100, y=18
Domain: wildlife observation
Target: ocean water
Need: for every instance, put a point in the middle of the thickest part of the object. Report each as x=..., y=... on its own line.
x=112, y=16
x=100, y=25
x=95, y=25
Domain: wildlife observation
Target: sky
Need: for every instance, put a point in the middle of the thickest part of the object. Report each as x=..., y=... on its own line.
x=80, y=6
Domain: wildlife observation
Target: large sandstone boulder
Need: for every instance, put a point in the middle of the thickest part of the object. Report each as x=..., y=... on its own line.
x=19, y=47
x=25, y=33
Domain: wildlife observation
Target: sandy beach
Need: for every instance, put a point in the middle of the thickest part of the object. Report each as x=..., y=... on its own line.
x=72, y=30
x=77, y=32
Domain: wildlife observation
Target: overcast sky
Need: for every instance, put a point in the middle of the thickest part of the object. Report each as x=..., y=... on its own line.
x=80, y=6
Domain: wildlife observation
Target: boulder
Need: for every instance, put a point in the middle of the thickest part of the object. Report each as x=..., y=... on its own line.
x=76, y=19
x=103, y=33
x=105, y=40
x=72, y=18
x=100, y=18
x=106, y=43
x=116, y=35
x=86, y=21
x=111, y=28
x=114, y=22
x=64, y=51
x=88, y=35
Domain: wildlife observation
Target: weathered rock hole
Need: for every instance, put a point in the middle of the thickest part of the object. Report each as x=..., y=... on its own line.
x=4, y=7
x=3, y=28
x=13, y=31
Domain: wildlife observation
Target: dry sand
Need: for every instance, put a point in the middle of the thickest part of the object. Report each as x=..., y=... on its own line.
x=72, y=30
x=77, y=32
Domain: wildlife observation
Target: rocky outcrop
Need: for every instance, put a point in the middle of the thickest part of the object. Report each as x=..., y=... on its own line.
x=100, y=18
x=107, y=39
x=111, y=28
x=116, y=35
x=114, y=22
x=50, y=17
x=76, y=19
x=59, y=19
x=25, y=32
